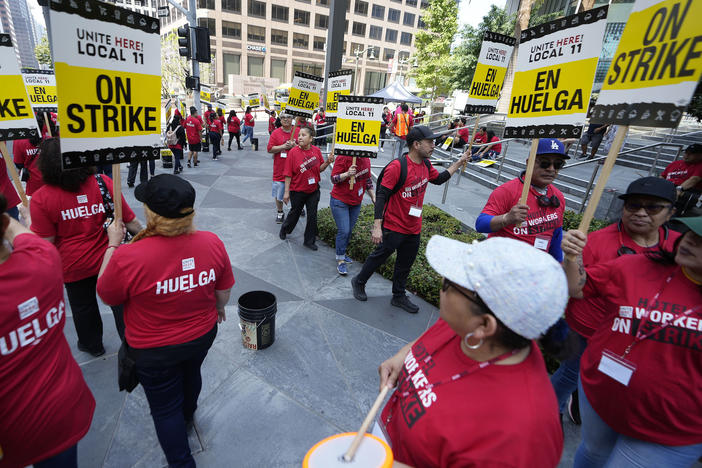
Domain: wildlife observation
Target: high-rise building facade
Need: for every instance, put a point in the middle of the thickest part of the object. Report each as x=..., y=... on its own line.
x=259, y=44
x=17, y=20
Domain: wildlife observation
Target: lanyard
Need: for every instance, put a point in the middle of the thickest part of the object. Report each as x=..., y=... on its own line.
x=642, y=336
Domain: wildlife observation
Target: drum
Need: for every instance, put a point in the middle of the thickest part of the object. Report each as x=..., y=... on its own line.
x=328, y=453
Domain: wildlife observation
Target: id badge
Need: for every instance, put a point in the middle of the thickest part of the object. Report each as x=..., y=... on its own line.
x=360, y=192
x=541, y=243
x=283, y=155
x=311, y=181
x=415, y=211
x=616, y=367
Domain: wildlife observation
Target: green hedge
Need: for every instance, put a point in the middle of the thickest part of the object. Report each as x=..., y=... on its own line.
x=423, y=280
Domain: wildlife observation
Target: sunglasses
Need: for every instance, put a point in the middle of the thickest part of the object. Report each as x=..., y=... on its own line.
x=546, y=201
x=546, y=163
x=475, y=300
x=650, y=208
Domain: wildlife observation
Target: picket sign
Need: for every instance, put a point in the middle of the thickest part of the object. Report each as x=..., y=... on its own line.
x=46, y=120
x=13, y=173
x=529, y=171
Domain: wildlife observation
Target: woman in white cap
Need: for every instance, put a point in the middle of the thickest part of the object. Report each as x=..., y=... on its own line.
x=473, y=389
x=641, y=373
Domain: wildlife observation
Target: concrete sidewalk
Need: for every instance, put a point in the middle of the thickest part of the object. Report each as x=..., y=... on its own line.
x=267, y=408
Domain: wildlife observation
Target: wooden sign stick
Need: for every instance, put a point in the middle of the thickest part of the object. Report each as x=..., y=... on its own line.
x=529, y=171
x=470, y=143
x=601, y=181
x=13, y=172
x=117, y=190
x=351, y=452
x=48, y=127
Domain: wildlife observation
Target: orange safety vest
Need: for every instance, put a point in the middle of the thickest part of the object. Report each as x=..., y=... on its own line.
x=402, y=127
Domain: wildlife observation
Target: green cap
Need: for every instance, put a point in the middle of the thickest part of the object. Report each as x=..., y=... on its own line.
x=694, y=223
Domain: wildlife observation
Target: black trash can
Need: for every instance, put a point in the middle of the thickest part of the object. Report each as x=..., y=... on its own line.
x=254, y=144
x=257, y=311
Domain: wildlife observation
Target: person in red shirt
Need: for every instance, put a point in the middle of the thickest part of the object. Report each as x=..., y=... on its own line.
x=473, y=390
x=234, y=129
x=400, y=126
x=387, y=118
x=215, y=130
x=25, y=155
x=271, y=121
x=176, y=126
x=686, y=174
x=70, y=211
x=249, y=122
x=642, y=368
x=193, y=132
x=10, y=194
x=174, y=282
x=320, y=127
x=480, y=138
x=398, y=214
x=302, y=175
x=345, y=201
x=282, y=140
x=223, y=123
x=648, y=206
x=205, y=125
x=45, y=405
x=463, y=134
x=540, y=221
x=490, y=151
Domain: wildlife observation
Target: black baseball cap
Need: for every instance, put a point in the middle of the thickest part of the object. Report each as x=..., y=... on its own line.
x=653, y=187
x=694, y=148
x=167, y=195
x=420, y=132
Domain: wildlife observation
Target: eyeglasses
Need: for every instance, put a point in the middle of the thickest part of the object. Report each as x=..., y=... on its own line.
x=475, y=300
x=545, y=201
x=546, y=163
x=650, y=208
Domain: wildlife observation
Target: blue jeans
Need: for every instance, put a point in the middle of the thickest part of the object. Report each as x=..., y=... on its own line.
x=177, y=157
x=565, y=379
x=66, y=459
x=248, y=133
x=603, y=447
x=345, y=217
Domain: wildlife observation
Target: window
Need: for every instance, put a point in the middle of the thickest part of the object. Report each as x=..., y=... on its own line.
x=233, y=6
x=279, y=13
x=257, y=9
x=390, y=35
x=397, y=1
x=231, y=30
x=406, y=38
x=302, y=17
x=323, y=3
x=411, y=3
x=254, y=65
x=278, y=69
x=375, y=32
x=388, y=54
x=361, y=7
x=311, y=68
x=408, y=19
x=394, y=15
x=255, y=33
x=373, y=52
x=232, y=65
x=318, y=43
x=209, y=23
x=355, y=48
x=209, y=4
x=359, y=29
x=403, y=56
x=420, y=23
x=321, y=21
x=424, y=4
x=378, y=11
x=373, y=82
x=279, y=37
x=301, y=41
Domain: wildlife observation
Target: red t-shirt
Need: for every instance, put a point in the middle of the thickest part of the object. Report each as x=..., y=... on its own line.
x=397, y=211
x=498, y=147
x=271, y=124
x=222, y=121
x=464, y=134
x=206, y=115
x=480, y=138
x=277, y=138
x=75, y=221
x=193, y=128
x=541, y=221
x=586, y=315
x=503, y=416
x=234, y=125
x=249, y=120
x=167, y=286
x=396, y=126
x=26, y=153
x=45, y=405
x=343, y=191
x=8, y=190
x=215, y=126
x=303, y=167
x=320, y=119
x=679, y=171
x=662, y=403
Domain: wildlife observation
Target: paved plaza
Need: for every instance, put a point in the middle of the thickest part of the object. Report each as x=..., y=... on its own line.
x=267, y=408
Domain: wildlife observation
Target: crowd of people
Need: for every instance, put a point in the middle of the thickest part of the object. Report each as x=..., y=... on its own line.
x=472, y=390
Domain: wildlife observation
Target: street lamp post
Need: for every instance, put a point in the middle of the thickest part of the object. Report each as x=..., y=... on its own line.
x=358, y=53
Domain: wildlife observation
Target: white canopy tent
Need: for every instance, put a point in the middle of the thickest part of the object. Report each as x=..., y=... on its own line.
x=396, y=92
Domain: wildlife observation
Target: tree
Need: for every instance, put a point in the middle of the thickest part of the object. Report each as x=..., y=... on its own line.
x=695, y=107
x=43, y=52
x=174, y=68
x=433, y=47
x=465, y=55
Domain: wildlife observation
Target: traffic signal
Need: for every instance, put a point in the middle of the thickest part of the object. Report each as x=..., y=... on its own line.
x=184, y=41
x=202, y=44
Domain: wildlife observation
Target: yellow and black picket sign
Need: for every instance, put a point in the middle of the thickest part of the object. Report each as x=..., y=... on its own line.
x=304, y=94
x=495, y=53
x=41, y=89
x=358, y=125
x=254, y=100
x=206, y=94
x=338, y=84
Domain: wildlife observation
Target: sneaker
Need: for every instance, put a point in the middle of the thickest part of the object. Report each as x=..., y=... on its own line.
x=189, y=164
x=574, y=409
x=282, y=234
x=382, y=150
x=347, y=259
x=130, y=184
x=403, y=302
x=94, y=352
x=341, y=268
x=359, y=290
x=302, y=215
x=280, y=217
x=311, y=246
x=214, y=157
x=196, y=163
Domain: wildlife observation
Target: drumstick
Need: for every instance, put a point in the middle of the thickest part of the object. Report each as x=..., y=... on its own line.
x=351, y=452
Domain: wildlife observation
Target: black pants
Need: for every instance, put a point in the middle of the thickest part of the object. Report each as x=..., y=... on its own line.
x=215, y=139
x=143, y=171
x=86, y=312
x=177, y=158
x=238, y=140
x=407, y=246
x=298, y=201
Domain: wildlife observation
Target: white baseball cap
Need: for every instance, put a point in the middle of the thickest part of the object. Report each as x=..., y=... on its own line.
x=523, y=286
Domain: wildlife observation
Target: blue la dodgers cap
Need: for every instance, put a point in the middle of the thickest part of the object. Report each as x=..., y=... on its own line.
x=552, y=146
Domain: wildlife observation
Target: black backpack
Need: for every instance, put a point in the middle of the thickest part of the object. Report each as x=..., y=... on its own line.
x=403, y=173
